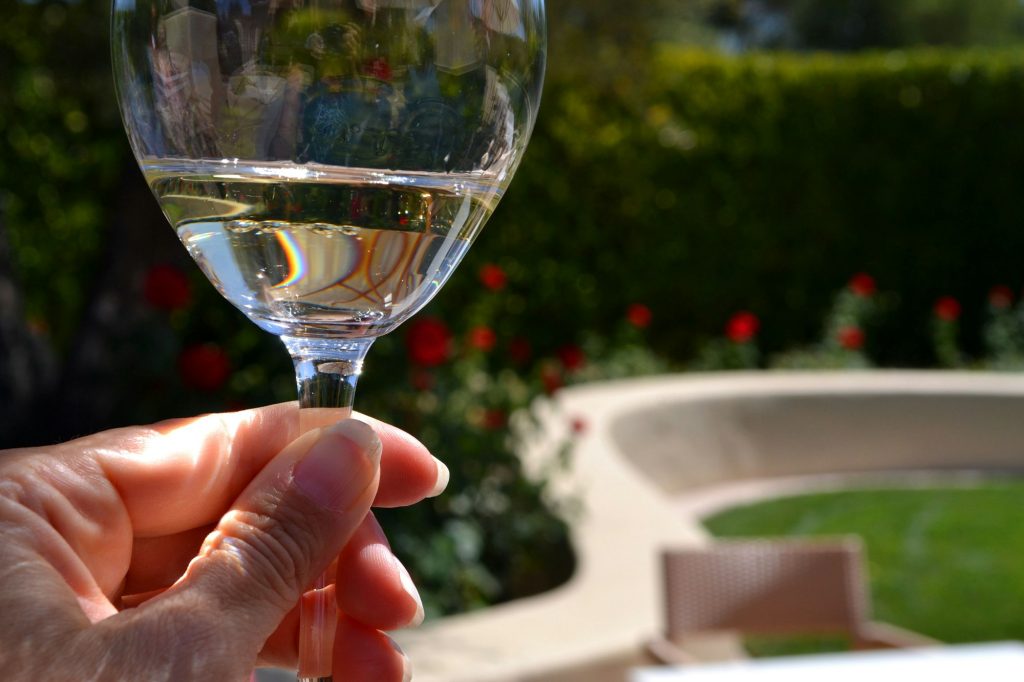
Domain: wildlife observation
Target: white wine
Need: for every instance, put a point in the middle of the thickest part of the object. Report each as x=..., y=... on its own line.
x=315, y=251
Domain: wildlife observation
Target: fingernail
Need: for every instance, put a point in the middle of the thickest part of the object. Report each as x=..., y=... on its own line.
x=442, y=479
x=410, y=589
x=340, y=464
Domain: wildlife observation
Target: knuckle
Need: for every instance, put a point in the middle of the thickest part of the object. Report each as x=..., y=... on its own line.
x=277, y=551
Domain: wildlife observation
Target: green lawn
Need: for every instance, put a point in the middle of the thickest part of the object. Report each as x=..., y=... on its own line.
x=945, y=562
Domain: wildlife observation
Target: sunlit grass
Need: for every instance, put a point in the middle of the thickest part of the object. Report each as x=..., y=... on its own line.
x=948, y=563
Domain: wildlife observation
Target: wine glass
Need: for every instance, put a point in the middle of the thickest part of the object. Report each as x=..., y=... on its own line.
x=328, y=163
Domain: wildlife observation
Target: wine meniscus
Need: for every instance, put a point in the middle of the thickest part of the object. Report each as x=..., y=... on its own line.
x=307, y=250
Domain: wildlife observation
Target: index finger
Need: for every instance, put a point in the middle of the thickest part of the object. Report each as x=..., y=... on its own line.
x=179, y=475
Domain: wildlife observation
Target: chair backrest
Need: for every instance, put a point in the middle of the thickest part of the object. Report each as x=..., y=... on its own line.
x=766, y=587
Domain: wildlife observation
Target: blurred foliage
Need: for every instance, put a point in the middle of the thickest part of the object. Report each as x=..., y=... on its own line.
x=664, y=189
x=849, y=335
x=61, y=152
x=1004, y=332
x=707, y=184
x=844, y=24
x=843, y=343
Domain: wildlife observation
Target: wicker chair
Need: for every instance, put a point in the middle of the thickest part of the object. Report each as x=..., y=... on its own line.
x=768, y=587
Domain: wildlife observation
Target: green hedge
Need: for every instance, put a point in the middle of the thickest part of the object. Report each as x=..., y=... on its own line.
x=696, y=183
x=702, y=184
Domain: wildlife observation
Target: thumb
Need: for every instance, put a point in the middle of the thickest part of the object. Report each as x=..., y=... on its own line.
x=284, y=530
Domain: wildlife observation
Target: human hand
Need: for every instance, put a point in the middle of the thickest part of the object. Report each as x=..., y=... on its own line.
x=179, y=551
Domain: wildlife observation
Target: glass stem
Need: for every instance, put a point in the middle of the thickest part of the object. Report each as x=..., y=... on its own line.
x=326, y=373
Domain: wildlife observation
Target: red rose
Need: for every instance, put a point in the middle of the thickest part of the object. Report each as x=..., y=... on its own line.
x=495, y=419
x=862, y=285
x=1000, y=296
x=851, y=338
x=572, y=357
x=742, y=327
x=520, y=351
x=482, y=338
x=493, y=277
x=428, y=342
x=165, y=287
x=947, y=309
x=204, y=367
x=639, y=315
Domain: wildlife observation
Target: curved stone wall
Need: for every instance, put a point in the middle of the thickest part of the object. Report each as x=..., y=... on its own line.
x=714, y=429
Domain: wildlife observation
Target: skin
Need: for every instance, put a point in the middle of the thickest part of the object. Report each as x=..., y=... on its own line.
x=180, y=550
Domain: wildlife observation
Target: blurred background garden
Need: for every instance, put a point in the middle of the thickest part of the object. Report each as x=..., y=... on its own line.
x=712, y=185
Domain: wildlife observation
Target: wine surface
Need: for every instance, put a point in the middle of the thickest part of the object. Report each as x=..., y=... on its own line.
x=307, y=250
